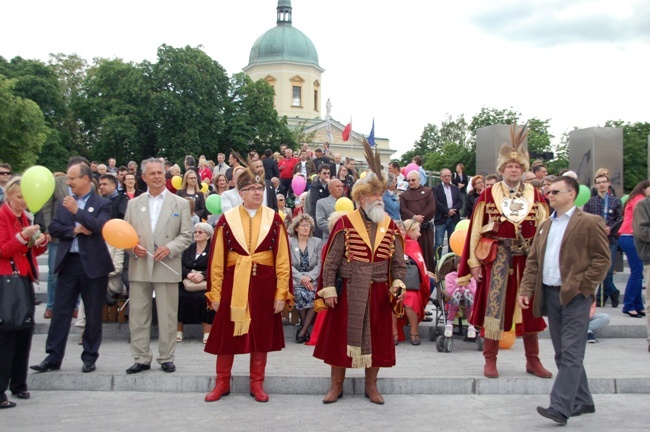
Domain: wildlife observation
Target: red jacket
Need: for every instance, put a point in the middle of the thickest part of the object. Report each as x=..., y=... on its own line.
x=286, y=167
x=12, y=248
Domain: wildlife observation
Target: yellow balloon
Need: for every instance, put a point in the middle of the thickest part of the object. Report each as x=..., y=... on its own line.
x=177, y=182
x=363, y=174
x=344, y=204
x=204, y=187
x=37, y=186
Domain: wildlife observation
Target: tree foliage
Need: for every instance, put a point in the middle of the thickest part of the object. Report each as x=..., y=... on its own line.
x=22, y=127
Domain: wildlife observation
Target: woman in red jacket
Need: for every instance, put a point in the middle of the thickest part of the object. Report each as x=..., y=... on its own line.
x=20, y=243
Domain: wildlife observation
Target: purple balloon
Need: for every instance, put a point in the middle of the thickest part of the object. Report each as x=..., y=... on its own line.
x=298, y=184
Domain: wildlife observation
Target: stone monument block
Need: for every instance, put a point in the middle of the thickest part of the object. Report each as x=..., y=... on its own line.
x=594, y=148
x=489, y=140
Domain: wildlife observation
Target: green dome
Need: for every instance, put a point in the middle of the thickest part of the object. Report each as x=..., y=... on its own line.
x=284, y=42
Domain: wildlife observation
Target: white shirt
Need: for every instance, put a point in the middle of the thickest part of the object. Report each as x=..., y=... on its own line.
x=447, y=189
x=551, y=272
x=155, y=205
x=230, y=199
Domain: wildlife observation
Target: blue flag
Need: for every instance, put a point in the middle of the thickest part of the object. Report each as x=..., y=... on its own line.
x=371, y=137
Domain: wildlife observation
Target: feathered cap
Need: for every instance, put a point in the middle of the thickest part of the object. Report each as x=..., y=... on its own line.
x=515, y=150
x=374, y=181
x=247, y=177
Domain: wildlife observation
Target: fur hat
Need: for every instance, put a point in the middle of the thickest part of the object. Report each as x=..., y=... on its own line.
x=247, y=178
x=374, y=181
x=515, y=150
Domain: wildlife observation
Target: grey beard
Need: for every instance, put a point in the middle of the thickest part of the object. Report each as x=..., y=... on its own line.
x=376, y=213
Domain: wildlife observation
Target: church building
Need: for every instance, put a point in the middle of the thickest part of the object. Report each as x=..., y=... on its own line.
x=287, y=59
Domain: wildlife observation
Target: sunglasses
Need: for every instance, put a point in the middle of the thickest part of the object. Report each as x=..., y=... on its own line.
x=554, y=192
x=5, y=172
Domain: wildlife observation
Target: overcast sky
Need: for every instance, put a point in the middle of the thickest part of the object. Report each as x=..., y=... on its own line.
x=405, y=64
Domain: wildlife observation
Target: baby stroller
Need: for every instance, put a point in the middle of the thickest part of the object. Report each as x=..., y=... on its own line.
x=442, y=300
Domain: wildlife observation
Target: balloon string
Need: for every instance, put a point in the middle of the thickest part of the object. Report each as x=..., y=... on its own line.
x=151, y=255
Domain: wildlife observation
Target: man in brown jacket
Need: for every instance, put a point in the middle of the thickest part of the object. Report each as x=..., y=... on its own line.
x=419, y=204
x=567, y=260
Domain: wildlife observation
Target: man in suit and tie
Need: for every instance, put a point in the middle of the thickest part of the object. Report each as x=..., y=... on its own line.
x=164, y=226
x=82, y=264
x=318, y=190
x=326, y=206
x=448, y=205
x=44, y=218
x=221, y=167
x=569, y=257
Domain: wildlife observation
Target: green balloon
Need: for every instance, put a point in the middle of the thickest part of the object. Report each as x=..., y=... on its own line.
x=583, y=196
x=37, y=187
x=213, y=204
x=624, y=199
x=462, y=225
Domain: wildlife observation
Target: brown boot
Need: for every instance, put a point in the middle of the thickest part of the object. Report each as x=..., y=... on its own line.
x=533, y=364
x=257, y=369
x=490, y=351
x=336, y=391
x=222, y=386
x=371, y=386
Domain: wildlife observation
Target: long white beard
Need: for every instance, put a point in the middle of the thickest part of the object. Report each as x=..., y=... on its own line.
x=375, y=211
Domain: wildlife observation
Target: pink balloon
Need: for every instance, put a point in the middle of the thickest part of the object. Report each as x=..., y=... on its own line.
x=412, y=167
x=298, y=184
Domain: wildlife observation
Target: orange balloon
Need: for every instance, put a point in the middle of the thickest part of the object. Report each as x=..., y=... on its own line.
x=508, y=340
x=457, y=241
x=120, y=234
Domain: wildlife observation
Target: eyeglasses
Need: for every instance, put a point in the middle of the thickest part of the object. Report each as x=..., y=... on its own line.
x=5, y=172
x=254, y=189
x=199, y=232
x=554, y=192
x=280, y=200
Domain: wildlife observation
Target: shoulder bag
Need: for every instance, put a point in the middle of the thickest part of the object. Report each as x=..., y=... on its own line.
x=16, y=301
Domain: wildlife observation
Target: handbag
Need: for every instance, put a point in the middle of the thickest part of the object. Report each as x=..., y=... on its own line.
x=16, y=301
x=412, y=279
x=486, y=250
x=193, y=286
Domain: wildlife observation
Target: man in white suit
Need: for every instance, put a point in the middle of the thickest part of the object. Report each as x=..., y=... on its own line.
x=164, y=226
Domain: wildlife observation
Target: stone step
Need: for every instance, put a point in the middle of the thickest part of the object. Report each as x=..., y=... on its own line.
x=613, y=366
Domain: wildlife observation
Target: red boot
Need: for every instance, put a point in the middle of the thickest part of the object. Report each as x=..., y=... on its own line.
x=222, y=387
x=533, y=364
x=490, y=351
x=258, y=366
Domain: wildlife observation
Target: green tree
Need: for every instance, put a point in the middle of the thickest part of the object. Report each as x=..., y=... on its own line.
x=22, y=127
x=190, y=91
x=635, y=151
x=252, y=122
x=113, y=112
x=38, y=82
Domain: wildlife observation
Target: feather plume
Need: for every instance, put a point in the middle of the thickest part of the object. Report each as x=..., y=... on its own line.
x=240, y=159
x=373, y=159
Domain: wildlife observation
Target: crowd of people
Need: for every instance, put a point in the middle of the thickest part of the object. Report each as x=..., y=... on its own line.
x=193, y=257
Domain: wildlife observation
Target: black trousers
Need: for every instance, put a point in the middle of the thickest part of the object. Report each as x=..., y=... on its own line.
x=14, y=360
x=72, y=281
